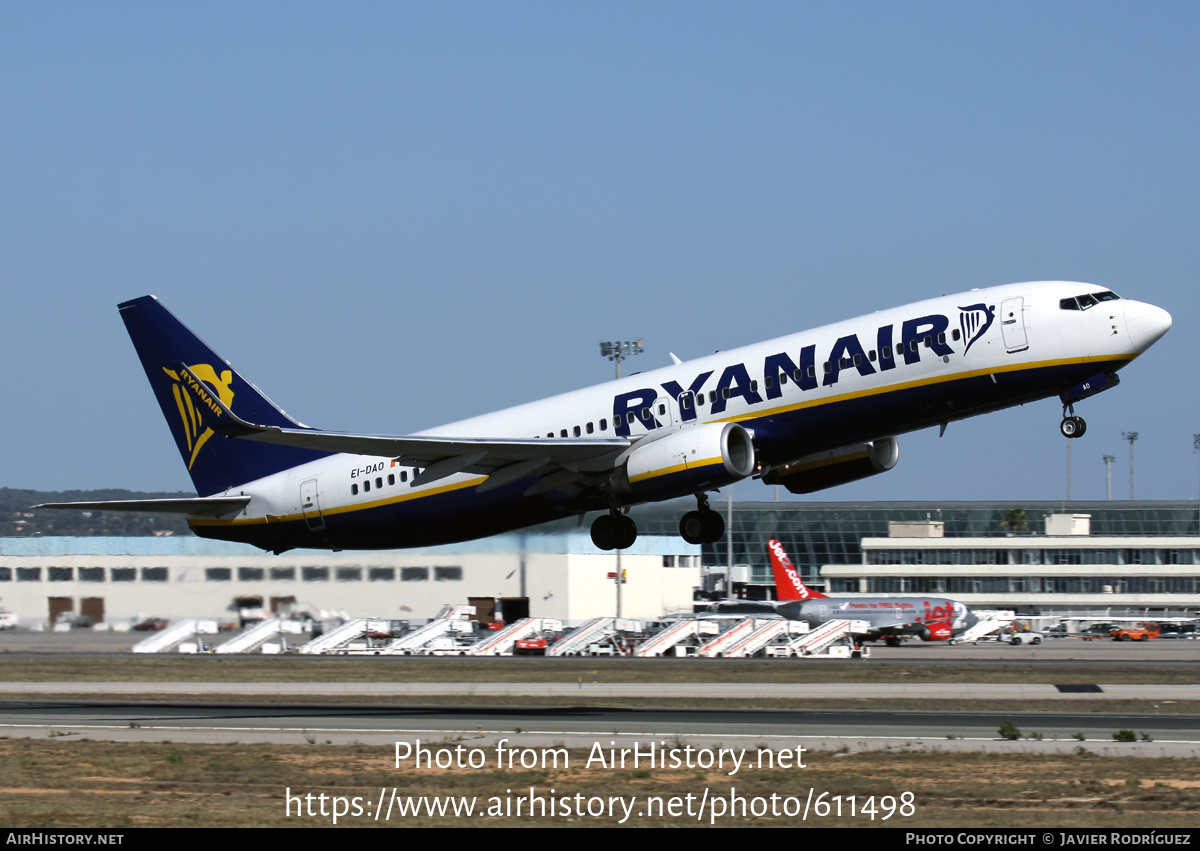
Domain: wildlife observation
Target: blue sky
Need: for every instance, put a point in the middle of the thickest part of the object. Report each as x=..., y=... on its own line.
x=391, y=216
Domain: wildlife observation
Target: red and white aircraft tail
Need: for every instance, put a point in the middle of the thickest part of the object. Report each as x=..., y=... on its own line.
x=788, y=585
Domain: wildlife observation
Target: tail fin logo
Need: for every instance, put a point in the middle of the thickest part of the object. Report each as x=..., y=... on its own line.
x=788, y=585
x=974, y=321
x=194, y=430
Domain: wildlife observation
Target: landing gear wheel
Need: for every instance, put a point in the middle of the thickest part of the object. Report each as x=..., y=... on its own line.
x=604, y=532
x=626, y=531
x=702, y=527
x=691, y=527
x=714, y=526
x=613, y=532
x=1072, y=427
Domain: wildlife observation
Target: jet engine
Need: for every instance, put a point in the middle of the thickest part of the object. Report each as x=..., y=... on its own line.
x=836, y=466
x=940, y=631
x=687, y=460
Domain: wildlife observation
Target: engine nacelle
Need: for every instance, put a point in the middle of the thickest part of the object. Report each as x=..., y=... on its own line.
x=837, y=466
x=940, y=631
x=687, y=460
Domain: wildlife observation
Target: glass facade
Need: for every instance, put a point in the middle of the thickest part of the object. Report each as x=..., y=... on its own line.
x=820, y=533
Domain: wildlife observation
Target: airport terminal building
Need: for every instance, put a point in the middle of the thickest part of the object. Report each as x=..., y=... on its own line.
x=1137, y=557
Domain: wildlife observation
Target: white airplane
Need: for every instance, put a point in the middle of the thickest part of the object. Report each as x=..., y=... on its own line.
x=889, y=617
x=808, y=411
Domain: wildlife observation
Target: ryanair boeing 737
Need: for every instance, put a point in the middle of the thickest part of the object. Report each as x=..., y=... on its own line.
x=807, y=411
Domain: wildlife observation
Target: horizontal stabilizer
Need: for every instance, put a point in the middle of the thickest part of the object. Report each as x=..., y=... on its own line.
x=193, y=505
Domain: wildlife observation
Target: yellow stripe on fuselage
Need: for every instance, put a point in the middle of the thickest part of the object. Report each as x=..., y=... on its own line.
x=674, y=468
x=920, y=382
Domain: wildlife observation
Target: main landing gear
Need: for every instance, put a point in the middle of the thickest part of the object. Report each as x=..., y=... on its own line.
x=1072, y=426
x=614, y=531
x=703, y=526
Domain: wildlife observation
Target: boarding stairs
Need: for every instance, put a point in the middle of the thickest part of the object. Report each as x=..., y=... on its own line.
x=983, y=628
x=256, y=636
x=175, y=635
x=591, y=633
x=821, y=638
x=730, y=637
x=426, y=635
x=662, y=642
x=501, y=644
x=352, y=630
x=765, y=631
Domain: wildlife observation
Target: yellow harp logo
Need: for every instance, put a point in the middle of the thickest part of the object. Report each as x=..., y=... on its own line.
x=193, y=426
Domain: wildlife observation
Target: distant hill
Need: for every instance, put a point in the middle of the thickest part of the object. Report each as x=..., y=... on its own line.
x=17, y=521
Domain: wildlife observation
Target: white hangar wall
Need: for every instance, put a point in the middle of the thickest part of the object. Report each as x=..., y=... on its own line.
x=563, y=576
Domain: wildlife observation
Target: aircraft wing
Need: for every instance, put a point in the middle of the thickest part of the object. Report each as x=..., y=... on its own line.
x=559, y=463
x=185, y=505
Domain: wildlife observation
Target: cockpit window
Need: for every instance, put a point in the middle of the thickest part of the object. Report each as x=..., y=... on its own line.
x=1083, y=302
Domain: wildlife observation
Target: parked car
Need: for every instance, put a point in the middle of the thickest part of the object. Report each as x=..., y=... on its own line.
x=1025, y=638
x=1142, y=632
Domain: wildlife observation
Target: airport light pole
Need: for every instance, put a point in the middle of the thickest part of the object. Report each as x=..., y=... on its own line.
x=617, y=351
x=1132, y=437
x=1108, y=462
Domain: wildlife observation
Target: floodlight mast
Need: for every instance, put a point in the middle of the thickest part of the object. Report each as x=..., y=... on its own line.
x=1132, y=437
x=1108, y=462
x=617, y=351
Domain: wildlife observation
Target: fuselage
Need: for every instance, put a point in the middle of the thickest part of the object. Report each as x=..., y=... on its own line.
x=863, y=379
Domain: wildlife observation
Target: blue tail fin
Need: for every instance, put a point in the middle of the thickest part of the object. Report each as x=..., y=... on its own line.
x=215, y=463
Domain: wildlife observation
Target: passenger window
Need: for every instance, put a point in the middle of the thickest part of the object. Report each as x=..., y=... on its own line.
x=768, y=383
x=549, y=434
x=887, y=352
x=404, y=475
x=604, y=425
x=562, y=433
x=857, y=360
x=391, y=479
x=942, y=338
x=812, y=372
x=871, y=356
x=632, y=417
x=928, y=342
x=590, y=428
x=954, y=335
x=354, y=490
x=724, y=392
x=662, y=409
x=576, y=431
x=367, y=486
x=379, y=483
x=754, y=385
x=685, y=402
x=828, y=367
x=782, y=379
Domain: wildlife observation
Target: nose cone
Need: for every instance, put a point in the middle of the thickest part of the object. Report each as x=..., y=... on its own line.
x=1145, y=324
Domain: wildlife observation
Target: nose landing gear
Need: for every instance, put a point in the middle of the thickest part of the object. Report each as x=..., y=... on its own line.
x=1072, y=426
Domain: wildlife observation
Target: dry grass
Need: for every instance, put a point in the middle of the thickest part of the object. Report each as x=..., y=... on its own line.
x=340, y=669
x=69, y=782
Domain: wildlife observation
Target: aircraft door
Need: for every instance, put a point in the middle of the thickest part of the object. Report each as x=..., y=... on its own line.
x=664, y=412
x=311, y=506
x=1012, y=324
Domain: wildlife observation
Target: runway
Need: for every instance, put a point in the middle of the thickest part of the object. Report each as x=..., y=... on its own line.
x=581, y=726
